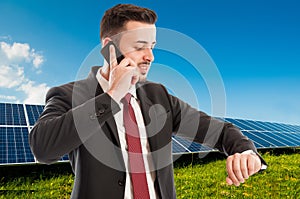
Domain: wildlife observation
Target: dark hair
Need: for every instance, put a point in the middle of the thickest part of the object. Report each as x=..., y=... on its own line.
x=115, y=18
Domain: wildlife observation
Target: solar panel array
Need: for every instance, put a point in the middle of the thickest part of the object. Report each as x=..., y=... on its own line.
x=267, y=134
x=16, y=120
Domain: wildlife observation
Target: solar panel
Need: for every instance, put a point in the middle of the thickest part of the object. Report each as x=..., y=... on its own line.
x=268, y=134
x=265, y=126
x=239, y=124
x=14, y=146
x=295, y=136
x=293, y=128
x=16, y=121
x=190, y=147
x=33, y=112
x=12, y=114
x=178, y=148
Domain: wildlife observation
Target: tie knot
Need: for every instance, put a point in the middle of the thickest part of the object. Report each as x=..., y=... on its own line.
x=126, y=99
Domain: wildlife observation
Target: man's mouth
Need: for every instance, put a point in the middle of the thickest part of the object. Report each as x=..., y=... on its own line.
x=144, y=68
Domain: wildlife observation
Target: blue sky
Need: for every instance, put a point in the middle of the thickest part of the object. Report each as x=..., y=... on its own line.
x=255, y=45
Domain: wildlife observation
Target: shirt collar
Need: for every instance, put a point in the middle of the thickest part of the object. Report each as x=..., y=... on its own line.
x=105, y=85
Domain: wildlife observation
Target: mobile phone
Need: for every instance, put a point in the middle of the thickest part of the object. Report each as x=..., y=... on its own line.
x=106, y=55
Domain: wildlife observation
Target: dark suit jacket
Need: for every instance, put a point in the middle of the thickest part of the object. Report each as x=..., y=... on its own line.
x=78, y=120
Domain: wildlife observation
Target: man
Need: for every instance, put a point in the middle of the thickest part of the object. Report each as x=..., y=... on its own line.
x=122, y=148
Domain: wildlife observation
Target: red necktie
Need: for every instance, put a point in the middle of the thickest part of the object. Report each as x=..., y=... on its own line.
x=135, y=156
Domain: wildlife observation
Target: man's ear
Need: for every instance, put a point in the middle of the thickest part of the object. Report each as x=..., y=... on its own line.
x=105, y=41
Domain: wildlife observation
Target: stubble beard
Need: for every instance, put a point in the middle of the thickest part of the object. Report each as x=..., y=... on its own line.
x=143, y=74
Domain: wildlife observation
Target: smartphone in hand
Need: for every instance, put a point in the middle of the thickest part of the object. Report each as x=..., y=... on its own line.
x=106, y=54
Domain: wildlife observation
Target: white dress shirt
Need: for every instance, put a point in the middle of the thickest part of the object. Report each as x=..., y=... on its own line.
x=148, y=162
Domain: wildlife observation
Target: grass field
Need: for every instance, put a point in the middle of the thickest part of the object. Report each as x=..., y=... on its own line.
x=194, y=178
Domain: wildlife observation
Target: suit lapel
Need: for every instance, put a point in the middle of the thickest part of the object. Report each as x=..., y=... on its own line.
x=113, y=128
x=95, y=90
x=149, y=116
x=158, y=127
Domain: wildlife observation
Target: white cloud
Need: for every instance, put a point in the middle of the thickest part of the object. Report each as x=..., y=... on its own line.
x=8, y=97
x=15, y=61
x=35, y=92
x=11, y=76
x=21, y=52
x=37, y=61
x=16, y=51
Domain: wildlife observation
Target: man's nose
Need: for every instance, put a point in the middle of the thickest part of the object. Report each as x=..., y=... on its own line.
x=149, y=55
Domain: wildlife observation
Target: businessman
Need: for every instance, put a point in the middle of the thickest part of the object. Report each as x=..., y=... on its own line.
x=117, y=127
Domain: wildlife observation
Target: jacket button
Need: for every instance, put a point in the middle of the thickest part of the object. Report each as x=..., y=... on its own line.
x=92, y=117
x=101, y=111
x=121, y=182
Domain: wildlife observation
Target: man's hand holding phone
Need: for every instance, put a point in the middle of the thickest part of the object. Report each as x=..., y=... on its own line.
x=121, y=75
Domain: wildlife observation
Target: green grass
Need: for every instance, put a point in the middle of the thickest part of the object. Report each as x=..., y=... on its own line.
x=36, y=181
x=280, y=180
x=196, y=178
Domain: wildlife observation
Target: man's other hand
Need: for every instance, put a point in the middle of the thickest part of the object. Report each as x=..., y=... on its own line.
x=241, y=166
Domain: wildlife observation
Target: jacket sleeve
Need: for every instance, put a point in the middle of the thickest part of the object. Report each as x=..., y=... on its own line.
x=197, y=126
x=61, y=127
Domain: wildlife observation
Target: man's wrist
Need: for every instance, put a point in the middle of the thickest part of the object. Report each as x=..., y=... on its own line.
x=114, y=96
x=250, y=151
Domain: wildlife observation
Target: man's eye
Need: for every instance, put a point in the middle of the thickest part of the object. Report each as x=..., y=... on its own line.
x=143, y=48
x=139, y=48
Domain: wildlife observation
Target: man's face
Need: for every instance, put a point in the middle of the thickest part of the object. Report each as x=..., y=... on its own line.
x=137, y=43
